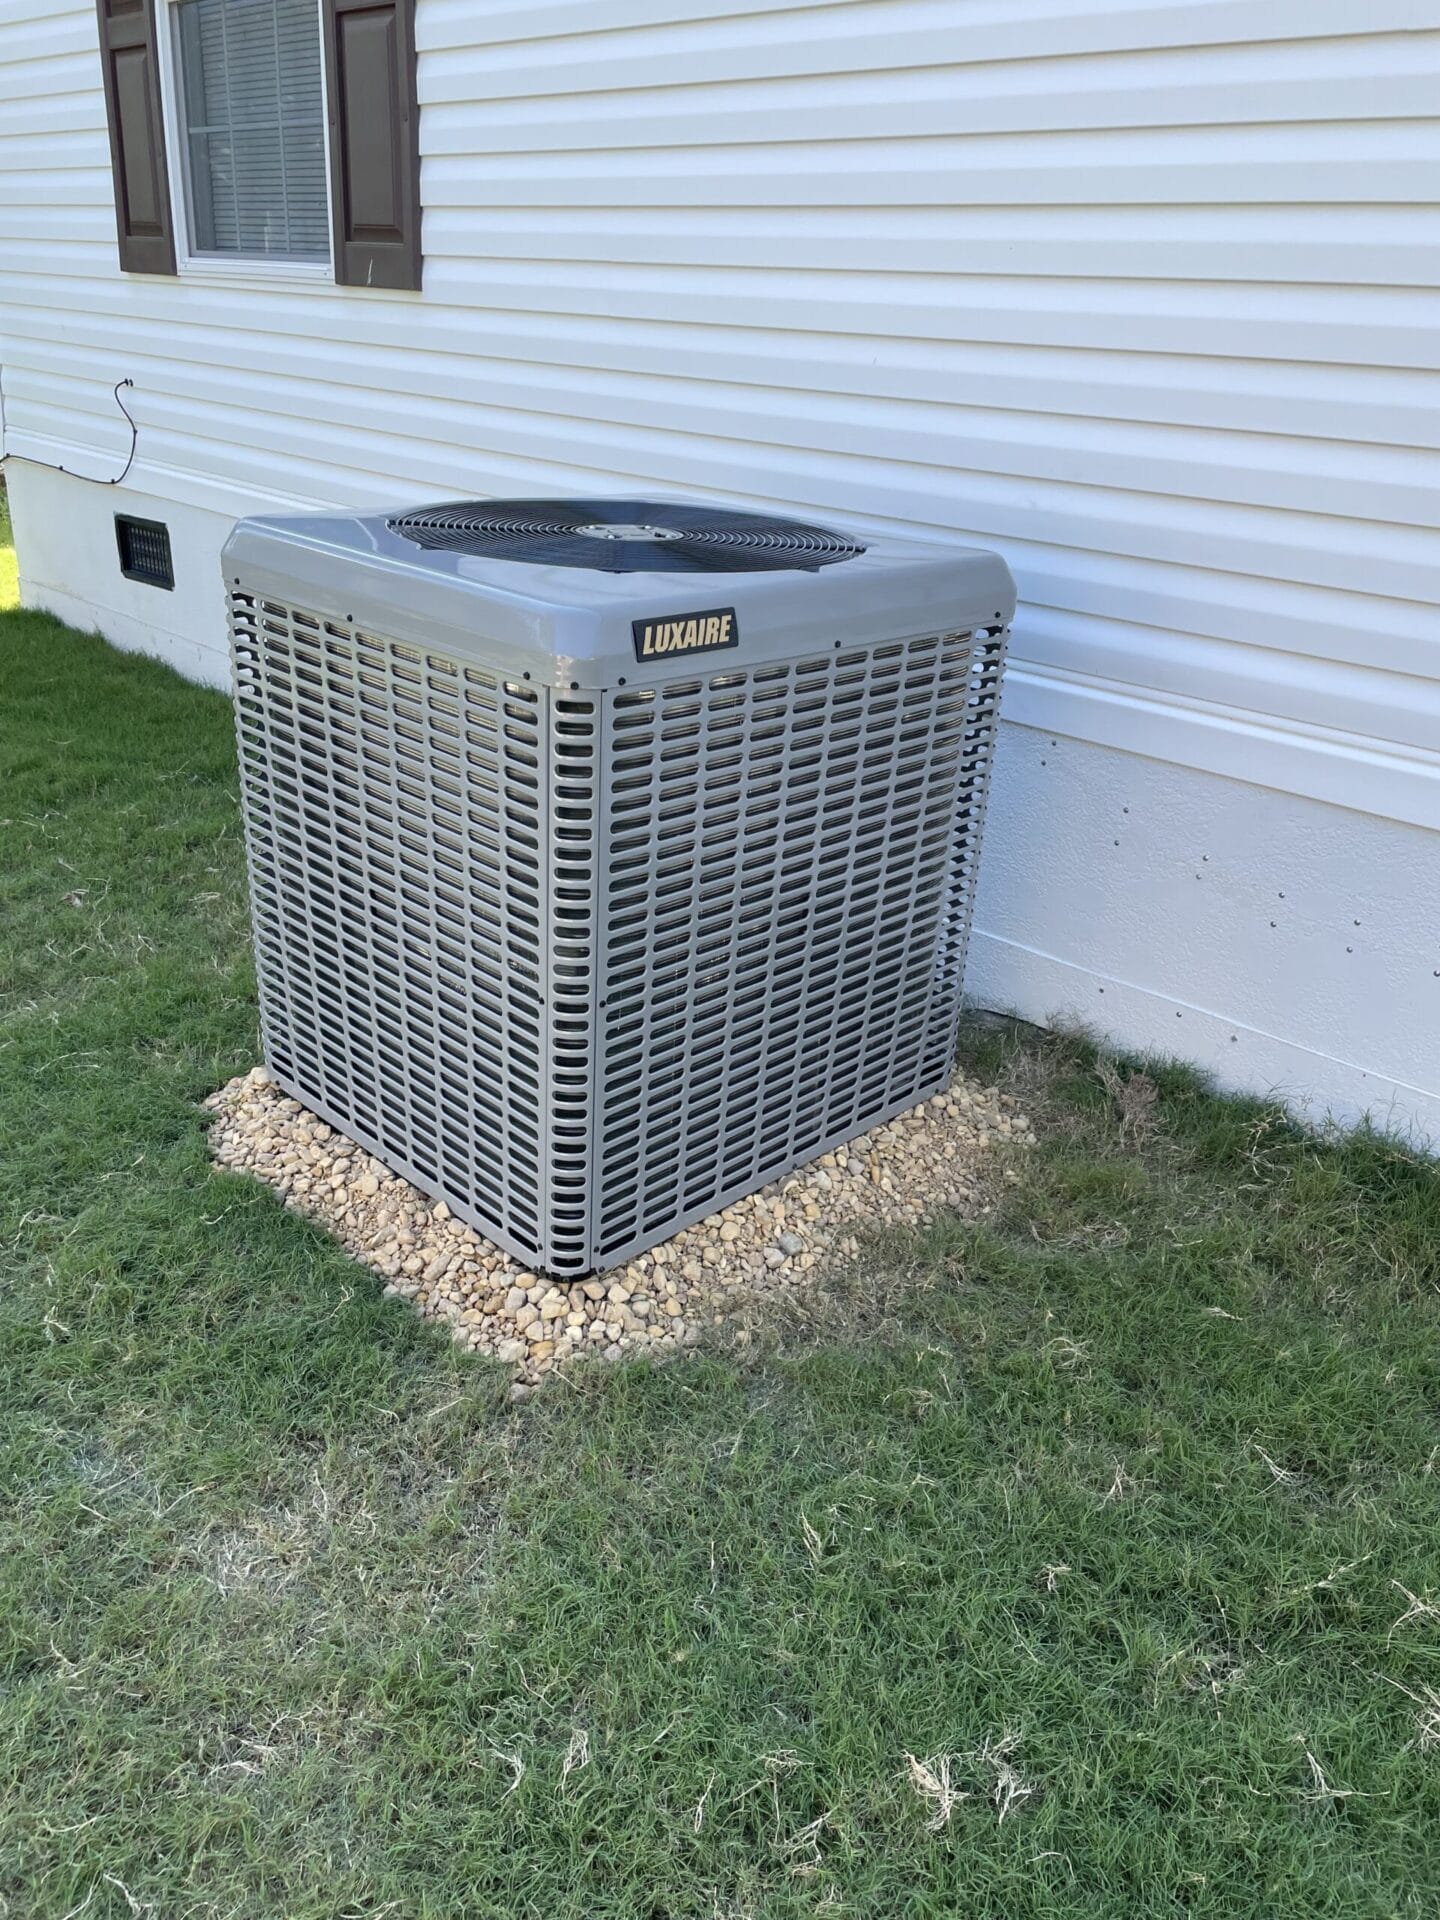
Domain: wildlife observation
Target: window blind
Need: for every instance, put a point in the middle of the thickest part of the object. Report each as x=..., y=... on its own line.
x=254, y=127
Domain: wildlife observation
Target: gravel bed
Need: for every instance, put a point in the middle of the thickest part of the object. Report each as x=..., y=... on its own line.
x=783, y=1236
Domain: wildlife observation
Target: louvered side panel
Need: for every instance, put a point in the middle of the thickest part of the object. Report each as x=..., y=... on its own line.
x=987, y=665
x=788, y=872
x=392, y=804
x=574, y=831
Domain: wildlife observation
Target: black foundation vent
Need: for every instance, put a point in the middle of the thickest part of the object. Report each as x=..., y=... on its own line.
x=144, y=547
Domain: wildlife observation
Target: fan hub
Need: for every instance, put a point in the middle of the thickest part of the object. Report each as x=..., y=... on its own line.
x=627, y=531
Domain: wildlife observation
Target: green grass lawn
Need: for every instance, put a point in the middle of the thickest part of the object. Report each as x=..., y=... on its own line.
x=1121, y=1511
x=9, y=583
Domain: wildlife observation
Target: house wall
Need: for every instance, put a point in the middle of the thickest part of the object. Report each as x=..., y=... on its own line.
x=1137, y=293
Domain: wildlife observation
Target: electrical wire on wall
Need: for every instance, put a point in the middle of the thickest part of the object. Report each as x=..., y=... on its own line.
x=95, y=480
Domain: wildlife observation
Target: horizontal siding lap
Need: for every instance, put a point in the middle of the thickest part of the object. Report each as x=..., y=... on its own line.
x=1041, y=28
x=471, y=355
x=38, y=32
x=1349, y=331
x=750, y=43
x=43, y=75
x=1170, y=598
x=1258, y=88
x=63, y=187
x=1332, y=478
x=1299, y=547
x=1401, y=708
x=1139, y=293
x=885, y=173
x=1327, y=246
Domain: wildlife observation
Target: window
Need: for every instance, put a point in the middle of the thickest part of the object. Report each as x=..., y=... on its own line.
x=253, y=135
x=218, y=112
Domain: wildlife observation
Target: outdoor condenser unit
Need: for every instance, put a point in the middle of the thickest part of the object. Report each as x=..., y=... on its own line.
x=608, y=858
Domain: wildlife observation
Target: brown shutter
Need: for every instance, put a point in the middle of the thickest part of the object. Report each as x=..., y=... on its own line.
x=374, y=141
x=137, y=135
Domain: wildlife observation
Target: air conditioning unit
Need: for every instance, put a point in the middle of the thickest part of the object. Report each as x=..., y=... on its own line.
x=608, y=858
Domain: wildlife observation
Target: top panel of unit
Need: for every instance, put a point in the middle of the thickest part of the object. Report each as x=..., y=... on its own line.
x=590, y=592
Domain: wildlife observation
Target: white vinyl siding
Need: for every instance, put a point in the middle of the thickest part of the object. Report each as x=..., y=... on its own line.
x=1141, y=293
x=253, y=139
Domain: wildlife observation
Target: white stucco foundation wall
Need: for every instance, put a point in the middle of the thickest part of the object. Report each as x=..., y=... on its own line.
x=1289, y=946
x=70, y=566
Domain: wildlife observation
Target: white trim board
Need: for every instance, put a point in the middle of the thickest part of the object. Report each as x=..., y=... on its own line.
x=1048, y=991
x=1319, y=763
x=1287, y=945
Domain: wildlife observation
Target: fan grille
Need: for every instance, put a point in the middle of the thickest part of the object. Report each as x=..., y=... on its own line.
x=624, y=536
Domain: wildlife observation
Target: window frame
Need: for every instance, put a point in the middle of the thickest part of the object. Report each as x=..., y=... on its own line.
x=240, y=269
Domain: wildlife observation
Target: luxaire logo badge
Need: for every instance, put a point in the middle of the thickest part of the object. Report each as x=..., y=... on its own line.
x=686, y=633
